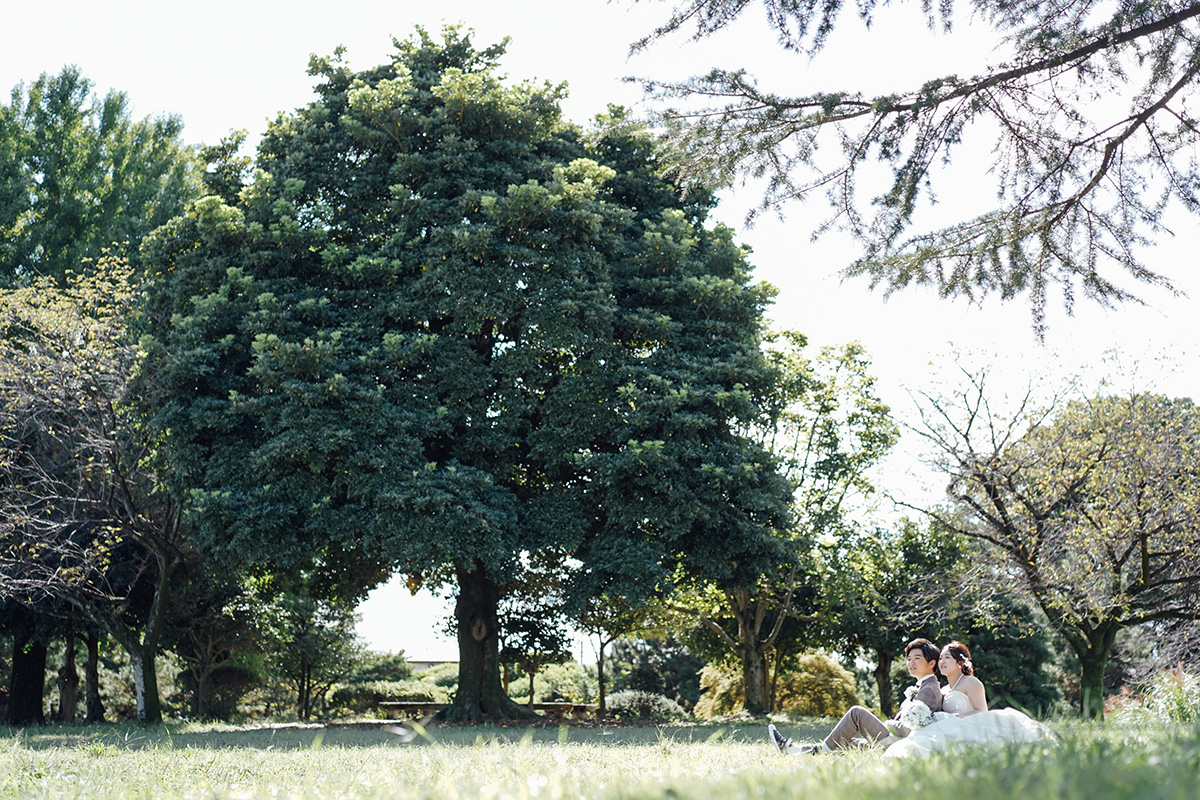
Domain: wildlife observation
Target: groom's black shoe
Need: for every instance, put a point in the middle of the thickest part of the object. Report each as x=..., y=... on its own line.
x=780, y=741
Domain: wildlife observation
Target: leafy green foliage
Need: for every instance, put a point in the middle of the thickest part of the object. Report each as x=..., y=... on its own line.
x=828, y=428
x=86, y=529
x=884, y=587
x=638, y=704
x=363, y=698
x=660, y=665
x=311, y=643
x=382, y=667
x=813, y=685
x=79, y=176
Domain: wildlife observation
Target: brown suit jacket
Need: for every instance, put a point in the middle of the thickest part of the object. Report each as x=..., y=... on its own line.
x=930, y=694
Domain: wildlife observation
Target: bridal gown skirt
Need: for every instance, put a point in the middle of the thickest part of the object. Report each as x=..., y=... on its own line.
x=1002, y=726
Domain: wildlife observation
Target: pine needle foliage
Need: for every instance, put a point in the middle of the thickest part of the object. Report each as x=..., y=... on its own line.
x=1089, y=111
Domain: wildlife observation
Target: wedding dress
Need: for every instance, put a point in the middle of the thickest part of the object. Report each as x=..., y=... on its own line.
x=986, y=727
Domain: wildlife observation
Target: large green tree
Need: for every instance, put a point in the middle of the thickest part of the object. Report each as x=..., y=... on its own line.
x=441, y=331
x=828, y=428
x=887, y=586
x=79, y=175
x=1092, y=506
x=1088, y=107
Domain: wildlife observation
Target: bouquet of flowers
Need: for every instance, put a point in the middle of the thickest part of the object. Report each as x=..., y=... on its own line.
x=915, y=714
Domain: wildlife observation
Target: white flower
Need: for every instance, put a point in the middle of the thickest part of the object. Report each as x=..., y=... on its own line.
x=915, y=714
x=910, y=692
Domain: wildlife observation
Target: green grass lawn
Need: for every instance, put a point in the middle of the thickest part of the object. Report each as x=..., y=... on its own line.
x=1091, y=762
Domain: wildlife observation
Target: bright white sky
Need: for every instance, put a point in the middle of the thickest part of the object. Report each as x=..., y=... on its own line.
x=225, y=65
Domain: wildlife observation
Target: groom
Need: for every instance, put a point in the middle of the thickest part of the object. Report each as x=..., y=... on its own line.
x=920, y=656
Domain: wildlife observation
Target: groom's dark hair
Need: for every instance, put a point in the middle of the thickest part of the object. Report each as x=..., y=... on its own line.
x=929, y=650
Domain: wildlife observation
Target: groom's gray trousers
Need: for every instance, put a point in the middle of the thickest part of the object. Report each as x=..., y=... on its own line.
x=858, y=721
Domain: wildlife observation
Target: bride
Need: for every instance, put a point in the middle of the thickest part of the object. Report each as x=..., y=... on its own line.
x=965, y=718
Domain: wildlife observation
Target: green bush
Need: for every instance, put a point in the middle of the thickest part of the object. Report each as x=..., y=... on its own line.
x=444, y=675
x=817, y=686
x=377, y=666
x=1172, y=696
x=566, y=683
x=635, y=704
x=364, y=697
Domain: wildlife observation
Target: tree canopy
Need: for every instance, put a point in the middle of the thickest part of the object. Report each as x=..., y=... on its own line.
x=1090, y=119
x=79, y=175
x=439, y=330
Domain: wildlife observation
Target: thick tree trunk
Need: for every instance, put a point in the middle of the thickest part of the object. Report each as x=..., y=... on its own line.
x=28, y=681
x=145, y=684
x=753, y=683
x=1091, y=687
x=1093, y=658
x=883, y=679
x=68, y=684
x=480, y=693
x=91, y=679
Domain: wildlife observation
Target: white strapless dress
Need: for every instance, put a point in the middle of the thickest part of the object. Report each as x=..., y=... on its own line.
x=987, y=727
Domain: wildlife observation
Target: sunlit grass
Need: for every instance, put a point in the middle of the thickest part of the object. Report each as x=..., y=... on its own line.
x=1091, y=762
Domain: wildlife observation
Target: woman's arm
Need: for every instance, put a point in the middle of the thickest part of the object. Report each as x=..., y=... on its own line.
x=973, y=688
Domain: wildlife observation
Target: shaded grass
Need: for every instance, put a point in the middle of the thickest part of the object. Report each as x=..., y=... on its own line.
x=1091, y=762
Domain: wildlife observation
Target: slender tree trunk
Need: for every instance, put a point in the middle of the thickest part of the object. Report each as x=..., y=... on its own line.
x=91, y=673
x=773, y=680
x=143, y=647
x=480, y=693
x=304, y=692
x=204, y=673
x=68, y=683
x=1091, y=687
x=28, y=681
x=601, y=707
x=883, y=679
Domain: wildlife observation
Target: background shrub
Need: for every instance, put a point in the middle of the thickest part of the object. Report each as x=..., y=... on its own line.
x=362, y=698
x=636, y=704
x=816, y=685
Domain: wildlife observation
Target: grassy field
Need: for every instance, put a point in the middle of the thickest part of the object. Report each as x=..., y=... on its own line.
x=721, y=762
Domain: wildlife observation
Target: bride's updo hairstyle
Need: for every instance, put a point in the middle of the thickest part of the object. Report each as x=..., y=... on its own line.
x=962, y=655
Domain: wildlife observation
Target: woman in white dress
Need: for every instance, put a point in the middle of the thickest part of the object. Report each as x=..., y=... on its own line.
x=965, y=717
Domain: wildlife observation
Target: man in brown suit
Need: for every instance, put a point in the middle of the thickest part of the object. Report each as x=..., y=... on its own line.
x=920, y=656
